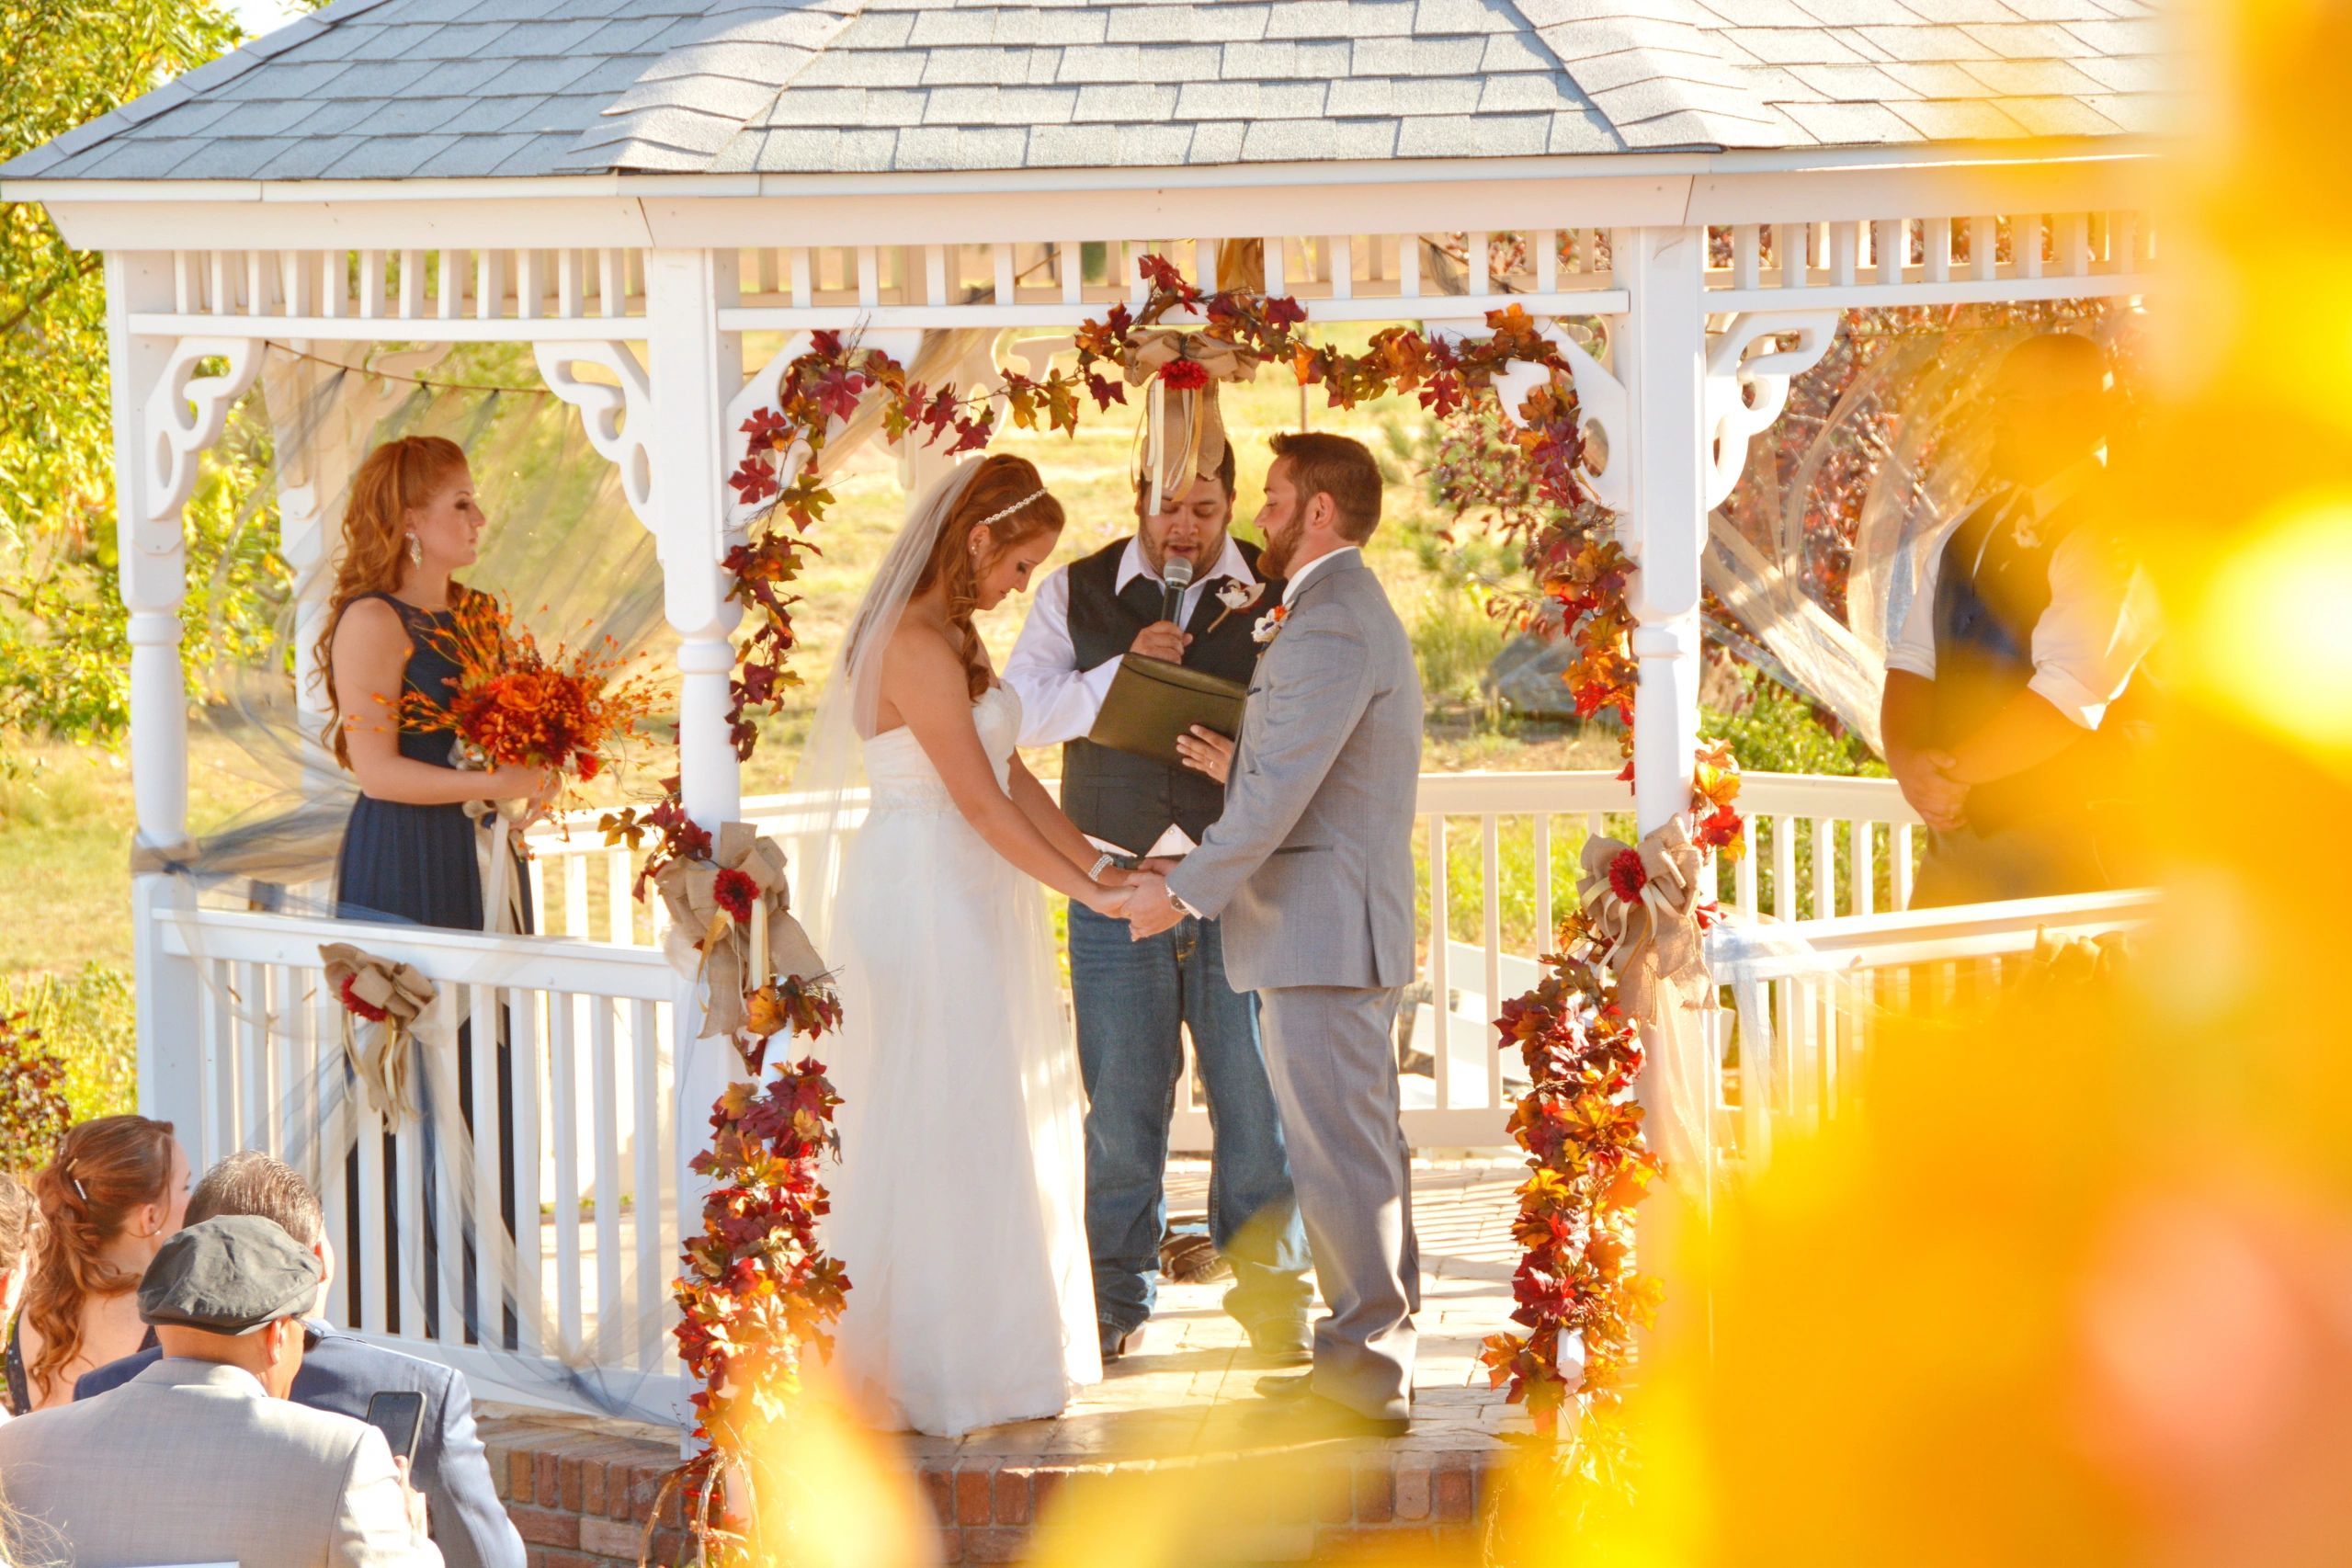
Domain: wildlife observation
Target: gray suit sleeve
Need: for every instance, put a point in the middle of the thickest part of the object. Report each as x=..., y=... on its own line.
x=1296, y=729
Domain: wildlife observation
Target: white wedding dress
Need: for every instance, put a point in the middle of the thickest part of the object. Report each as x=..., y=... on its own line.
x=959, y=1205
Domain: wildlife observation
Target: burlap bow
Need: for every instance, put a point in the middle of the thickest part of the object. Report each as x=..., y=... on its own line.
x=1650, y=941
x=1185, y=430
x=377, y=1051
x=710, y=940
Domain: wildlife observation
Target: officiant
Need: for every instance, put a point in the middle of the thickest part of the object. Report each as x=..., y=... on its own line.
x=1134, y=999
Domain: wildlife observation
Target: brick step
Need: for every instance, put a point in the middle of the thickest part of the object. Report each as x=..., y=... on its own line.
x=581, y=1492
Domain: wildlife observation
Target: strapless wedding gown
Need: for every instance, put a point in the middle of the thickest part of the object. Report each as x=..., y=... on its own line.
x=959, y=1203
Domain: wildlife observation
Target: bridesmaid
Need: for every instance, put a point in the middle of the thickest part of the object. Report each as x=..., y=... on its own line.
x=410, y=851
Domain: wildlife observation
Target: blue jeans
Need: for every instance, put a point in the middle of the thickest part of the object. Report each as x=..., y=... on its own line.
x=1131, y=997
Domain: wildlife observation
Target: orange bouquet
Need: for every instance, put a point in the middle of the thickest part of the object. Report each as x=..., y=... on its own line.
x=512, y=704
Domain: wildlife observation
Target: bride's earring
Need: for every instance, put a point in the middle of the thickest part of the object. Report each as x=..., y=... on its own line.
x=415, y=551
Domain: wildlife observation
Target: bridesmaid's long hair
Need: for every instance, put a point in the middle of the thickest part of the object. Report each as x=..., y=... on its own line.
x=105, y=1169
x=1002, y=481
x=395, y=477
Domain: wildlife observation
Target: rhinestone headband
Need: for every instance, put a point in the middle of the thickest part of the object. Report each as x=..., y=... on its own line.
x=1000, y=517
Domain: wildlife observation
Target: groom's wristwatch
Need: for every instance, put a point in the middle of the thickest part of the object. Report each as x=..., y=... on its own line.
x=1184, y=909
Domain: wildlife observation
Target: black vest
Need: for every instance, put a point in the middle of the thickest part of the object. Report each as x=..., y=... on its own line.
x=1991, y=589
x=1116, y=796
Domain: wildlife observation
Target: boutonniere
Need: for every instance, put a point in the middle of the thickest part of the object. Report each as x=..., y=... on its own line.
x=1270, y=624
x=1236, y=594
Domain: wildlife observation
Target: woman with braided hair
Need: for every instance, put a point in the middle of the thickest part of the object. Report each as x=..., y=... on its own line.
x=117, y=1189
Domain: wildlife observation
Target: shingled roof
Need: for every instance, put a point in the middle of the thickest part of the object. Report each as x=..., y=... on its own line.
x=378, y=89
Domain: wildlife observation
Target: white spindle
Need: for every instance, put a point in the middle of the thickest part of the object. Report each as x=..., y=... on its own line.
x=563, y=1108
x=1747, y=256
x=604, y=1094
x=1408, y=268
x=530, y=1067
x=1784, y=869
x=2025, y=244
x=1491, y=932
x=1474, y=255
x=1343, y=267
x=1825, y=840
x=1007, y=289
x=1441, y=1003
x=1983, y=248
x=1936, y=252
x=482, y=1022
x=647, y=1202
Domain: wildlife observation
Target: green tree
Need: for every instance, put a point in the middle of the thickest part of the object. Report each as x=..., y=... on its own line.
x=65, y=62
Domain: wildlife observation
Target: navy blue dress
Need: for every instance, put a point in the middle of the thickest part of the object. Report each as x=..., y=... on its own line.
x=416, y=865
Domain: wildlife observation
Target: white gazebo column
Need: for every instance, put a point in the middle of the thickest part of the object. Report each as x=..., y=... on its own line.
x=154, y=582
x=1661, y=359
x=693, y=370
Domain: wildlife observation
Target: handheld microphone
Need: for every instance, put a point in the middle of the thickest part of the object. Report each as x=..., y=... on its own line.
x=1176, y=576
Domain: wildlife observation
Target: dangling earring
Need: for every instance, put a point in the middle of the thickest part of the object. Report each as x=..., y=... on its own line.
x=415, y=551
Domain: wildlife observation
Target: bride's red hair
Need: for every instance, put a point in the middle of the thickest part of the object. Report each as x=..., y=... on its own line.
x=1002, y=481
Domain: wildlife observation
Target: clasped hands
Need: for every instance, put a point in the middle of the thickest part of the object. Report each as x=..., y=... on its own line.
x=1925, y=777
x=1141, y=898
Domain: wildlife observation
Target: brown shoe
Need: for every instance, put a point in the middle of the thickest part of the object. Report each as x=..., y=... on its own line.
x=1116, y=1345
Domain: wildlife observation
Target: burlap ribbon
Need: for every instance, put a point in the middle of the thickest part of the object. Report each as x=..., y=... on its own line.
x=378, y=1051
x=1652, y=942
x=1184, y=429
x=707, y=940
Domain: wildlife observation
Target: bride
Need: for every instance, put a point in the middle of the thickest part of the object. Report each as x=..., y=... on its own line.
x=959, y=1206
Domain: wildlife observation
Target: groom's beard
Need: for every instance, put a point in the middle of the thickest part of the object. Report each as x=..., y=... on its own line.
x=1274, y=561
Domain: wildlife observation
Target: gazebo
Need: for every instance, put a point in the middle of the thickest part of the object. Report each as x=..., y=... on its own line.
x=633, y=186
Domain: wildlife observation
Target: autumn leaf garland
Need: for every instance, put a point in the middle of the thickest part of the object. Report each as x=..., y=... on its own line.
x=757, y=1287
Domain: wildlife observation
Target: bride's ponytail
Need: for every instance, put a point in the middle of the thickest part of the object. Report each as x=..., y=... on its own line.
x=1005, y=494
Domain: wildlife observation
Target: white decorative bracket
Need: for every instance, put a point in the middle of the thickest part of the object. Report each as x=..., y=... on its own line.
x=185, y=413
x=1600, y=405
x=1745, y=393
x=616, y=415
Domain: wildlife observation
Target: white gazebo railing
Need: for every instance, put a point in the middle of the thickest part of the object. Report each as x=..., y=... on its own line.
x=587, y=1152
x=1519, y=833
x=1811, y=998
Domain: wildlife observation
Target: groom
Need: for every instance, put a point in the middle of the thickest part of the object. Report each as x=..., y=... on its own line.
x=1134, y=1001
x=1311, y=869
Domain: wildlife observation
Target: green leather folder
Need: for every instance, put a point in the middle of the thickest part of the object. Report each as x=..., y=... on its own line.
x=1150, y=702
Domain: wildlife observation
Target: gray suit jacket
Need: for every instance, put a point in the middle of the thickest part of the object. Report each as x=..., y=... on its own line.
x=1310, y=868
x=340, y=1373
x=191, y=1462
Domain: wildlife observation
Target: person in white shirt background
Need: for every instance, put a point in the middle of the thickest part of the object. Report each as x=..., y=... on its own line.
x=1134, y=1000
x=2017, y=692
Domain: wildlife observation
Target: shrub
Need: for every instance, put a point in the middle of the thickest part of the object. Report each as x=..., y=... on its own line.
x=33, y=1112
x=86, y=1023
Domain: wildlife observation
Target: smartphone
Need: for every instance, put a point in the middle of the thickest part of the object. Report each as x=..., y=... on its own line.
x=400, y=1417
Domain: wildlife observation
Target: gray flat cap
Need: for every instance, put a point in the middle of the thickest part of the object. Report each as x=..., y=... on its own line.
x=230, y=1275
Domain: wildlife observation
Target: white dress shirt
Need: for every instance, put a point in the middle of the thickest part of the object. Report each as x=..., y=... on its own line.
x=1298, y=579
x=2087, y=642
x=1059, y=700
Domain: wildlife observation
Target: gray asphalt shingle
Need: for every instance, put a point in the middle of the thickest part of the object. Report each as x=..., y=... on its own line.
x=405, y=89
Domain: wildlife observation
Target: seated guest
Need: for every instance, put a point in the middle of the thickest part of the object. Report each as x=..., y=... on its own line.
x=115, y=1191
x=341, y=1371
x=19, y=1220
x=2008, y=716
x=201, y=1457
